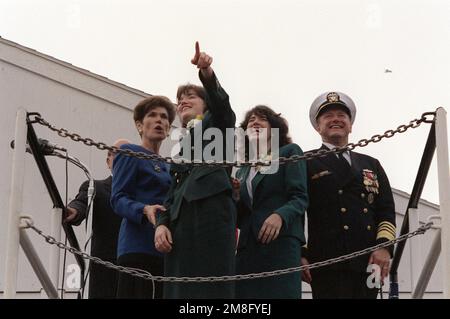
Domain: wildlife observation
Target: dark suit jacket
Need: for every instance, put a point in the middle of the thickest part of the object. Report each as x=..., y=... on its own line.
x=346, y=214
x=105, y=223
x=105, y=231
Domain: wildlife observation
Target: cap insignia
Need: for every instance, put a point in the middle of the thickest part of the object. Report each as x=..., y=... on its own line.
x=332, y=97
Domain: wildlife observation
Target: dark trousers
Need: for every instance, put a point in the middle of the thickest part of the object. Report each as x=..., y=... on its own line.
x=102, y=281
x=341, y=284
x=132, y=287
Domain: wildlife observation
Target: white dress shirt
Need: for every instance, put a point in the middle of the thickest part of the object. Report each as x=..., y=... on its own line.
x=250, y=177
x=346, y=154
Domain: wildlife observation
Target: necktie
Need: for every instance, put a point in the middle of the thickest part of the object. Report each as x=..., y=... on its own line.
x=343, y=160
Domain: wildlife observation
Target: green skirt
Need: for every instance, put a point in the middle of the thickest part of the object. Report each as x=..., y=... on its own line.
x=255, y=257
x=204, y=242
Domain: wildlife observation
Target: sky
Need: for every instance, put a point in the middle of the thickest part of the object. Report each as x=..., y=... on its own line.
x=281, y=53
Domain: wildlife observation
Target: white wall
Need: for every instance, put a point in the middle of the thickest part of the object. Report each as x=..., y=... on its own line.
x=68, y=97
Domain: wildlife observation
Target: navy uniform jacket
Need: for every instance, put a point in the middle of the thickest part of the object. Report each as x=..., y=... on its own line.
x=351, y=208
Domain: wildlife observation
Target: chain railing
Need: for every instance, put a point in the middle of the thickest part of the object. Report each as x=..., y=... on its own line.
x=27, y=222
x=37, y=118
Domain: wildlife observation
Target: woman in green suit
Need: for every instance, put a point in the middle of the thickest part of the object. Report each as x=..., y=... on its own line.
x=271, y=209
x=197, y=231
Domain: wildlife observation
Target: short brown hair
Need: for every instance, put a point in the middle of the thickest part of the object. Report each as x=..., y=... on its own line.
x=199, y=90
x=152, y=102
x=275, y=120
x=185, y=88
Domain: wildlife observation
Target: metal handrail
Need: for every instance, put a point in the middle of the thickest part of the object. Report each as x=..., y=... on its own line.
x=52, y=189
x=419, y=183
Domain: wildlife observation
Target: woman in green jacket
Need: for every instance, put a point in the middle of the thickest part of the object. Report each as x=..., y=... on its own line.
x=271, y=209
x=197, y=232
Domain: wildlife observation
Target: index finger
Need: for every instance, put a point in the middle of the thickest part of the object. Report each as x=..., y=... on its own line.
x=153, y=219
x=197, y=48
x=166, y=242
x=262, y=231
x=194, y=60
x=384, y=272
x=160, y=207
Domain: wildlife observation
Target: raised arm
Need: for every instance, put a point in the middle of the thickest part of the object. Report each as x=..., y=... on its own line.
x=219, y=102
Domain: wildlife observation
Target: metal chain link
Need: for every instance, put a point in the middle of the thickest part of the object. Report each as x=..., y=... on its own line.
x=148, y=276
x=282, y=160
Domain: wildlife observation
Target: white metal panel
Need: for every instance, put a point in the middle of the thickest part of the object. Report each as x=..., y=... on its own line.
x=64, y=106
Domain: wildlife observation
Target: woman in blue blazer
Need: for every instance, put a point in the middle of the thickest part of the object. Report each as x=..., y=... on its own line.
x=271, y=207
x=139, y=188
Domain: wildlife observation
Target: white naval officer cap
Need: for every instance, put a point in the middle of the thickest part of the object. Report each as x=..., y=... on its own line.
x=331, y=98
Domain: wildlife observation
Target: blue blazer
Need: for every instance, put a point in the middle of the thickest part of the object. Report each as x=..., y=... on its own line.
x=136, y=183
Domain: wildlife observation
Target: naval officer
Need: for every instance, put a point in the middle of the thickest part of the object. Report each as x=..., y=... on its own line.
x=351, y=208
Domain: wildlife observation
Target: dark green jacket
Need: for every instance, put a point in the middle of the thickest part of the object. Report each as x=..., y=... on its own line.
x=284, y=192
x=194, y=183
x=200, y=211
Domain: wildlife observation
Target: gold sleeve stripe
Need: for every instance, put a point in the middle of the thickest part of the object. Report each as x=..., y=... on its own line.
x=387, y=225
x=387, y=228
x=385, y=234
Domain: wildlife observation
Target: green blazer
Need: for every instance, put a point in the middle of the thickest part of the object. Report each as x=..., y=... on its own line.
x=200, y=211
x=194, y=183
x=284, y=192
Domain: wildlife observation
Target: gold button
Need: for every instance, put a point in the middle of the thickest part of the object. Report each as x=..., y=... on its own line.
x=369, y=227
x=365, y=210
x=346, y=227
x=340, y=192
x=363, y=195
x=343, y=210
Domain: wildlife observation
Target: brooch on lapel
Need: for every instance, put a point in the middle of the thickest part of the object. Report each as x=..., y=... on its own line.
x=194, y=122
x=266, y=159
x=370, y=181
